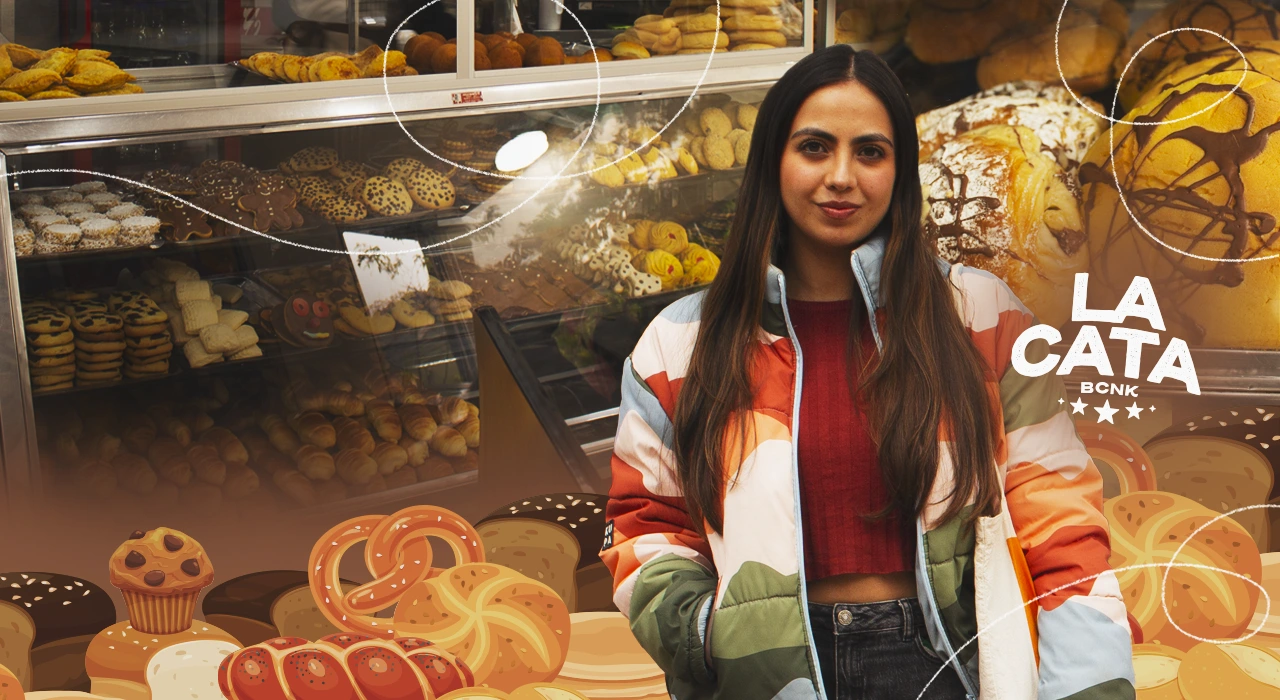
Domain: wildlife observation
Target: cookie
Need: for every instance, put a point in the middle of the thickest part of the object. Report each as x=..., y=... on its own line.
x=75, y=308
x=90, y=186
x=180, y=222
x=119, y=298
x=197, y=315
x=152, y=352
x=40, y=223
x=46, y=322
x=148, y=341
x=102, y=202
x=54, y=351
x=715, y=122
x=367, y=324
x=152, y=366
x=197, y=356
x=340, y=209
x=62, y=234
x=100, y=346
x=232, y=318
x=349, y=168
x=80, y=219
x=52, y=379
x=98, y=375
x=196, y=290
x=108, y=366
x=97, y=322
x=247, y=353
x=719, y=152
x=386, y=197
x=128, y=210
x=407, y=315
x=69, y=208
x=142, y=313
x=55, y=361
x=430, y=189
x=313, y=159
x=140, y=226
x=401, y=168
x=741, y=148
x=104, y=337
x=93, y=357
x=46, y=340
x=99, y=229
x=144, y=330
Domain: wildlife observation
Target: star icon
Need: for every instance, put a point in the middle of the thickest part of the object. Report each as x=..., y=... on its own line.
x=1106, y=412
x=1133, y=410
x=1061, y=401
x=1078, y=406
x=1149, y=408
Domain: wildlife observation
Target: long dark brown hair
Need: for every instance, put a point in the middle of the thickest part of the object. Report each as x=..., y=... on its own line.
x=928, y=370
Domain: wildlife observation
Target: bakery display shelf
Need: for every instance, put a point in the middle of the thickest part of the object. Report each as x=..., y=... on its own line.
x=95, y=254
x=389, y=500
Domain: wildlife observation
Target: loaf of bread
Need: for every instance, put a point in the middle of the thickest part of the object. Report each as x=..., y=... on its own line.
x=997, y=202
x=386, y=422
x=352, y=435
x=536, y=548
x=162, y=667
x=486, y=613
x=346, y=666
x=1147, y=527
x=1219, y=474
x=581, y=516
x=1242, y=671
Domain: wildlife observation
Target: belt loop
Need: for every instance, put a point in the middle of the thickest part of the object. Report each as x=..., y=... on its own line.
x=908, y=621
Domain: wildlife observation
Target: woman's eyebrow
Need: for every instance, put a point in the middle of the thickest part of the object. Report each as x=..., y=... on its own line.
x=874, y=137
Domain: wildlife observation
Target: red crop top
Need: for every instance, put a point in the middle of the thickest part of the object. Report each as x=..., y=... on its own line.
x=839, y=471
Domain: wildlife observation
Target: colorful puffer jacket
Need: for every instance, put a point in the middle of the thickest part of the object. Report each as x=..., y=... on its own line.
x=669, y=580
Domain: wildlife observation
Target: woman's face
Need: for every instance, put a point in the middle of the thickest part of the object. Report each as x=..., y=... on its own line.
x=838, y=166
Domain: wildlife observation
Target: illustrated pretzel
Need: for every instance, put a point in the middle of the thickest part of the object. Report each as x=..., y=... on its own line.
x=396, y=552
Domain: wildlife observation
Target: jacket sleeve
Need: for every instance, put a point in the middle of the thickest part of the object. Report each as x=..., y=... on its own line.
x=664, y=580
x=1054, y=492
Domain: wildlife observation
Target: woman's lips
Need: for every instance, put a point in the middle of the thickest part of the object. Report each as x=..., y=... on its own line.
x=838, y=213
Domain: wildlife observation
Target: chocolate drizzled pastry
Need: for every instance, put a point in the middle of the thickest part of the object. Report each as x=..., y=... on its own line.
x=61, y=606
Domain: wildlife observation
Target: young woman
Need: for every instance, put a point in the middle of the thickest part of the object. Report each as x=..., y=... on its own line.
x=804, y=448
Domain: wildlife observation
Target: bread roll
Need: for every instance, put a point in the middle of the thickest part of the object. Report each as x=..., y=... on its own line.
x=937, y=35
x=771, y=38
x=449, y=443
x=689, y=24
x=1240, y=21
x=1243, y=671
x=1187, y=180
x=629, y=49
x=417, y=421
x=206, y=464
x=1087, y=50
x=389, y=457
x=279, y=433
x=314, y=463
x=384, y=418
x=356, y=467
x=1147, y=527
x=753, y=22
x=996, y=202
x=313, y=428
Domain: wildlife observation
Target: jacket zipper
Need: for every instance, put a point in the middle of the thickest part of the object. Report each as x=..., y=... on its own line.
x=921, y=547
x=795, y=487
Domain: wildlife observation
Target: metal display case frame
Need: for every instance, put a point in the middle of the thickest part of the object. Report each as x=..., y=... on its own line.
x=192, y=103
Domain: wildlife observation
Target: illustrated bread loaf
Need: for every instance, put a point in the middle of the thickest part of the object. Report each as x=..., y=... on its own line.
x=343, y=666
x=1240, y=21
x=267, y=604
x=131, y=665
x=508, y=628
x=66, y=612
x=1124, y=465
x=540, y=550
x=1243, y=671
x=1064, y=127
x=1155, y=671
x=606, y=661
x=1147, y=527
x=1218, y=473
x=17, y=632
x=1201, y=181
x=581, y=515
x=997, y=202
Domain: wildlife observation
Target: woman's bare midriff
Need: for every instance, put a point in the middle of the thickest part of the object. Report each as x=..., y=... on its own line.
x=862, y=588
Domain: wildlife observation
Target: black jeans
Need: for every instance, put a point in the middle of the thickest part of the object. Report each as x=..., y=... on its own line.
x=879, y=651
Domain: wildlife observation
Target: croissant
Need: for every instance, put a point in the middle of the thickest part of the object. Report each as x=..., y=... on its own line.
x=469, y=429
x=296, y=486
x=241, y=482
x=390, y=457
x=314, y=463
x=472, y=409
x=352, y=435
x=229, y=447
x=450, y=410
x=169, y=459
x=343, y=403
x=206, y=463
x=434, y=468
x=138, y=433
x=175, y=429
x=279, y=433
x=133, y=473
x=100, y=445
x=384, y=418
x=449, y=443
x=256, y=442
x=417, y=421
x=314, y=428
x=418, y=450
x=413, y=397
x=376, y=381
x=196, y=419
x=272, y=462
x=355, y=467
x=405, y=476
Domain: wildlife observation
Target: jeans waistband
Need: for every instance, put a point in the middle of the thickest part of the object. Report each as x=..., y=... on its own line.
x=851, y=618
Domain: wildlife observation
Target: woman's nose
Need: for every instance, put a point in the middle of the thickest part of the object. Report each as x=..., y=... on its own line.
x=841, y=176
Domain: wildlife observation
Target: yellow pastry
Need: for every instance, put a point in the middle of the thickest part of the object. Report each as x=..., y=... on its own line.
x=640, y=233
x=366, y=323
x=665, y=267
x=670, y=237
x=29, y=82
x=702, y=272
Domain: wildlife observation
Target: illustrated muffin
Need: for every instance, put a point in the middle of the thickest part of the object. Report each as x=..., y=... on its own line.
x=160, y=573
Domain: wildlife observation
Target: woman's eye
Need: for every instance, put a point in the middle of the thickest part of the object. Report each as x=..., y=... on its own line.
x=871, y=152
x=812, y=147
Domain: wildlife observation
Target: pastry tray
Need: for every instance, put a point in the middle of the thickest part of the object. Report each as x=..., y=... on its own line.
x=255, y=297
